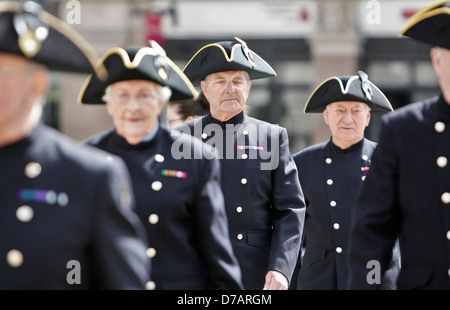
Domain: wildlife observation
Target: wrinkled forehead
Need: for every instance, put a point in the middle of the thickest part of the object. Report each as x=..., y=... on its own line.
x=228, y=75
x=132, y=85
x=347, y=105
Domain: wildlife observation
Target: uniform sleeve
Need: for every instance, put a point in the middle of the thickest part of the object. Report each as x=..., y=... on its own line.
x=119, y=239
x=372, y=229
x=288, y=207
x=213, y=234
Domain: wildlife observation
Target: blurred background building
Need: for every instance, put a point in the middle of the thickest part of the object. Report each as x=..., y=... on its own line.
x=305, y=41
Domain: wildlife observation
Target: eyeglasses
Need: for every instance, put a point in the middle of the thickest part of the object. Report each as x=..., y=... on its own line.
x=140, y=97
x=8, y=70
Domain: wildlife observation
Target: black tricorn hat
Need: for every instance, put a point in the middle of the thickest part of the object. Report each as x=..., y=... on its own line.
x=226, y=56
x=430, y=24
x=138, y=63
x=347, y=88
x=29, y=31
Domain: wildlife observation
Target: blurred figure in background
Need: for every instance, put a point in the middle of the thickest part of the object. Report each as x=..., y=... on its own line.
x=331, y=174
x=66, y=216
x=186, y=110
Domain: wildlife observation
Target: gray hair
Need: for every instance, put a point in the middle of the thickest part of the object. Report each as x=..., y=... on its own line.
x=164, y=92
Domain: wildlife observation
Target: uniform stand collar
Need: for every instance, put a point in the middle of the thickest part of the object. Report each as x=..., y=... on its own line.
x=121, y=142
x=334, y=149
x=237, y=119
x=444, y=108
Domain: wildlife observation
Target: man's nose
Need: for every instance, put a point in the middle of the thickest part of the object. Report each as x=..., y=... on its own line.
x=348, y=117
x=133, y=103
x=230, y=87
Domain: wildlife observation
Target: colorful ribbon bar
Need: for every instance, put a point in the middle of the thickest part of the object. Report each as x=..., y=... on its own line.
x=174, y=173
x=42, y=196
x=37, y=195
x=250, y=147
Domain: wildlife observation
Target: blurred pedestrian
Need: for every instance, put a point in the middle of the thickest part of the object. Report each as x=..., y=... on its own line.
x=263, y=197
x=179, y=201
x=331, y=174
x=186, y=110
x=66, y=219
x=406, y=194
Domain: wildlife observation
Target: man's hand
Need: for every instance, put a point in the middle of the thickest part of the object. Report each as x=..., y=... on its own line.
x=275, y=281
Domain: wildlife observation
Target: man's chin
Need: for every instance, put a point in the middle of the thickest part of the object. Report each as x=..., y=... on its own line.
x=231, y=107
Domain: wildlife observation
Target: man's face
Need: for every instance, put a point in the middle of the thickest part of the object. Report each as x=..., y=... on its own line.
x=15, y=89
x=134, y=107
x=226, y=92
x=347, y=121
x=440, y=58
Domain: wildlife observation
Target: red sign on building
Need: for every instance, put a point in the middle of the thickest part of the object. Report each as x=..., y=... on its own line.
x=153, y=28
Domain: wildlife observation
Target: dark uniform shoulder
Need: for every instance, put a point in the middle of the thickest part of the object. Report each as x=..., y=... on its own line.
x=98, y=138
x=257, y=121
x=310, y=150
x=85, y=157
x=411, y=111
x=412, y=116
x=188, y=126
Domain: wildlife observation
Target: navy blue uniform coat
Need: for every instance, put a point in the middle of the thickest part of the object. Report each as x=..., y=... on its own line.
x=184, y=216
x=407, y=194
x=66, y=209
x=263, y=198
x=331, y=179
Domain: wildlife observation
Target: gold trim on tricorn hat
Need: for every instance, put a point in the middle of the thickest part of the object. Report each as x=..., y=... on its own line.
x=29, y=31
x=227, y=56
x=347, y=88
x=138, y=63
x=430, y=24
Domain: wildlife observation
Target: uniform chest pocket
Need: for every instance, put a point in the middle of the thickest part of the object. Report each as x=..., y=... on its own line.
x=259, y=239
x=313, y=255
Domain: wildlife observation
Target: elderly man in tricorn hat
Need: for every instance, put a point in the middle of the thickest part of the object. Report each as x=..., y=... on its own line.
x=66, y=216
x=406, y=194
x=263, y=197
x=331, y=174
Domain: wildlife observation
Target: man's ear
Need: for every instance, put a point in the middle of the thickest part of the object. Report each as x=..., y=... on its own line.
x=368, y=118
x=203, y=86
x=109, y=108
x=436, y=60
x=325, y=115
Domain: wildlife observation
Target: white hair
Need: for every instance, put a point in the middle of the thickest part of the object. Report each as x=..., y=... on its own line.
x=164, y=92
